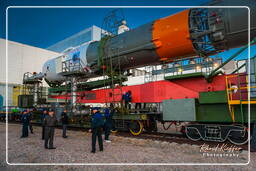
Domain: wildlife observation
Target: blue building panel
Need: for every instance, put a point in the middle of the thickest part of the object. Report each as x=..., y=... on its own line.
x=90, y=34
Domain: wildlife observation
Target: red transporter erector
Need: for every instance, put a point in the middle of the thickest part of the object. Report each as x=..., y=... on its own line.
x=155, y=92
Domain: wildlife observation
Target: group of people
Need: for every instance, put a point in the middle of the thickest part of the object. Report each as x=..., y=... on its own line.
x=49, y=122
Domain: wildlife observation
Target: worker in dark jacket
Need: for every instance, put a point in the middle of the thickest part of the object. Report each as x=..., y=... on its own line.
x=30, y=114
x=97, y=124
x=25, y=124
x=64, y=119
x=108, y=123
x=43, y=115
x=127, y=98
x=50, y=122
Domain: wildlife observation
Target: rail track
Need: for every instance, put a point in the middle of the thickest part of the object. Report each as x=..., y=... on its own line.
x=155, y=136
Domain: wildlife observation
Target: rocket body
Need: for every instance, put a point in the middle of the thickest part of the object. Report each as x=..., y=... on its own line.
x=192, y=32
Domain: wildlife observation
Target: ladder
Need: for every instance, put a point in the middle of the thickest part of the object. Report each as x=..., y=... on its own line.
x=111, y=71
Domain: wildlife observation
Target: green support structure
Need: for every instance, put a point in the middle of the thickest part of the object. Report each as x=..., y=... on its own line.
x=215, y=71
x=182, y=76
x=213, y=97
x=236, y=70
x=88, y=85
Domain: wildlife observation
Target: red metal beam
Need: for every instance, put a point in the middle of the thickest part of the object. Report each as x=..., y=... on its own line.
x=154, y=92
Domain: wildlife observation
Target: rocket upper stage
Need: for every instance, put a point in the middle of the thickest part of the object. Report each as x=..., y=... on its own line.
x=195, y=31
x=171, y=36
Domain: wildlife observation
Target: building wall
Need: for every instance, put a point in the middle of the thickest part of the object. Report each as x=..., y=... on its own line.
x=21, y=58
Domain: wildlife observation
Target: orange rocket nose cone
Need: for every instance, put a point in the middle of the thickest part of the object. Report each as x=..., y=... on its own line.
x=171, y=36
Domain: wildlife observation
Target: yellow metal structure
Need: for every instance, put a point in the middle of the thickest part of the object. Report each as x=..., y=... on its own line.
x=17, y=90
x=231, y=90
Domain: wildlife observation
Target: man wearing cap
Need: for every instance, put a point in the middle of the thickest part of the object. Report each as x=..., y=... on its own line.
x=50, y=122
x=127, y=98
x=30, y=114
x=25, y=124
x=96, y=124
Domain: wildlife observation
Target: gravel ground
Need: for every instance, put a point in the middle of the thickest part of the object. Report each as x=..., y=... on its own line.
x=76, y=149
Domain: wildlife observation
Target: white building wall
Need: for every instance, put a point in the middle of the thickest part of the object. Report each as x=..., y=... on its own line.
x=96, y=33
x=21, y=58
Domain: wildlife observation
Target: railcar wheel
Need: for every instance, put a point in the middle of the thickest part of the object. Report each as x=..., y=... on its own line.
x=150, y=126
x=238, y=138
x=135, y=127
x=193, y=133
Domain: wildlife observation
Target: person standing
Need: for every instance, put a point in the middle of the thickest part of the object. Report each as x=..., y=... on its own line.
x=64, y=119
x=123, y=27
x=30, y=114
x=253, y=139
x=50, y=122
x=108, y=123
x=96, y=124
x=25, y=124
x=43, y=115
x=127, y=98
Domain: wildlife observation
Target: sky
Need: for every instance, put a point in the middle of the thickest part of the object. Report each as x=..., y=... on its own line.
x=43, y=27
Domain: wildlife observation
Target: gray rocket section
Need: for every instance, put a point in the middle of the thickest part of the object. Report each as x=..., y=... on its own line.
x=132, y=48
x=216, y=29
x=234, y=23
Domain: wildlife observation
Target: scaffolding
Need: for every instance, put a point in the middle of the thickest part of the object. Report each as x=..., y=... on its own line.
x=32, y=85
x=105, y=61
x=149, y=76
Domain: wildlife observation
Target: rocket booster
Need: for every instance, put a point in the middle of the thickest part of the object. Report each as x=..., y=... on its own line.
x=192, y=32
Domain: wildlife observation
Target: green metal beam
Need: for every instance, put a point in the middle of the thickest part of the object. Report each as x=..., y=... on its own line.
x=100, y=83
x=190, y=75
x=238, y=68
x=215, y=71
x=88, y=85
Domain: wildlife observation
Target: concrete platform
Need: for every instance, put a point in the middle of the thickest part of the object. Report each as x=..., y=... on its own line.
x=76, y=149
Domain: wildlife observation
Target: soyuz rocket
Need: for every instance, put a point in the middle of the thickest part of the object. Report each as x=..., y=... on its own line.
x=192, y=32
